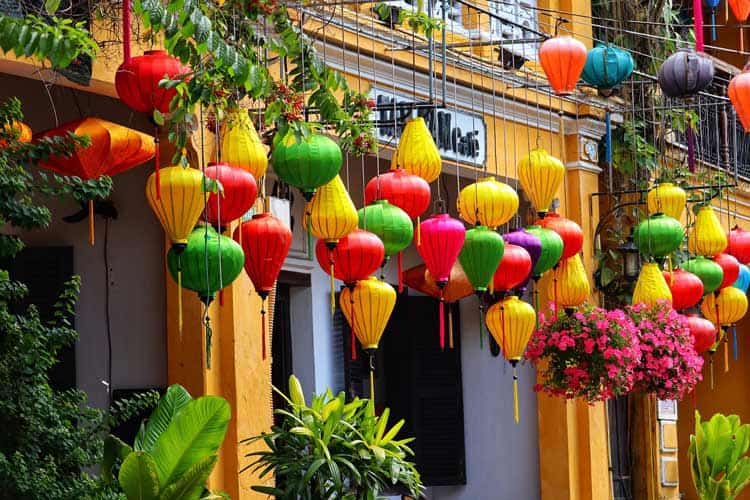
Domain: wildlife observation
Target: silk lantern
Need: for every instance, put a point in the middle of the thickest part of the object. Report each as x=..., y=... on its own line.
x=487, y=202
x=707, y=238
x=265, y=242
x=739, y=244
x=531, y=244
x=182, y=202
x=513, y=270
x=239, y=191
x=367, y=308
x=552, y=249
x=442, y=239
x=511, y=322
x=686, y=288
x=392, y=225
x=406, y=191
x=241, y=146
x=740, y=9
x=712, y=4
x=685, y=73
x=709, y=272
x=416, y=152
x=658, y=236
x=730, y=268
x=668, y=199
x=651, y=287
x=607, y=66
x=739, y=93
x=540, y=175
x=570, y=285
x=569, y=231
x=702, y=331
x=308, y=164
x=480, y=255
x=725, y=308
x=743, y=279
x=563, y=59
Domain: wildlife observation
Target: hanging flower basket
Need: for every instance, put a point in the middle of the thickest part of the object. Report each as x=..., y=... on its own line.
x=670, y=367
x=592, y=354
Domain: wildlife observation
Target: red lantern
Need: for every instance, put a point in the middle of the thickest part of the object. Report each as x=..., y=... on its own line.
x=686, y=288
x=265, y=242
x=570, y=232
x=407, y=191
x=357, y=256
x=137, y=81
x=739, y=244
x=238, y=195
x=562, y=59
x=731, y=268
x=703, y=332
x=514, y=268
x=739, y=93
x=740, y=9
x=442, y=239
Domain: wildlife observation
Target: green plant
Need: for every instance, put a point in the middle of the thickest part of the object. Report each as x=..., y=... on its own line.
x=175, y=449
x=390, y=14
x=718, y=464
x=333, y=449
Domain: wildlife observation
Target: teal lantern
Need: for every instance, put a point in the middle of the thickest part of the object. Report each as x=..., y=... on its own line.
x=743, y=280
x=658, y=236
x=391, y=224
x=306, y=164
x=607, y=66
x=709, y=272
x=552, y=250
x=481, y=254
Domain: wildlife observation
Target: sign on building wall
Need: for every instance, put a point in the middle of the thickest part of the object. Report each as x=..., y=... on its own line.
x=460, y=135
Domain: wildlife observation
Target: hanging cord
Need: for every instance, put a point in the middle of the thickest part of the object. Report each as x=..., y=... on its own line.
x=107, y=309
x=441, y=314
x=263, y=324
x=371, y=353
x=91, y=222
x=450, y=326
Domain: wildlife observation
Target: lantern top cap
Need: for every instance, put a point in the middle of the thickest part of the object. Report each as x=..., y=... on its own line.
x=155, y=52
x=263, y=215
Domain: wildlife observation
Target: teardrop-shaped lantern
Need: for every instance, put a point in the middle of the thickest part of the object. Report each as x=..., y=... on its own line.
x=658, y=236
x=743, y=279
x=137, y=81
x=562, y=59
x=552, y=249
x=686, y=288
x=569, y=283
x=570, y=232
x=331, y=214
x=739, y=244
x=707, y=237
x=730, y=268
x=725, y=308
x=308, y=164
x=241, y=146
x=481, y=254
x=402, y=189
x=651, y=288
x=668, y=199
x=511, y=322
x=740, y=9
x=356, y=257
x=709, y=272
x=739, y=93
x=685, y=73
x=487, y=202
x=530, y=243
x=238, y=194
x=180, y=204
x=540, y=175
x=702, y=331
x=389, y=223
x=513, y=270
x=607, y=66
x=416, y=152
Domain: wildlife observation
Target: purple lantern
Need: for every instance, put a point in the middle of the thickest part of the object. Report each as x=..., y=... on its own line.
x=528, y=242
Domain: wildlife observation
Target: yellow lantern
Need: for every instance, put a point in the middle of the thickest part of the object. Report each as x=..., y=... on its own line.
x=540, y=175
x=241, y=145
x=666, y=198
x=511, y=322
x=651, y=286
x=725, y=308
x=707, y=237
x=487, y=202
x=181, y=202
x=416, y=152
x=367, y=308
x=569, y=282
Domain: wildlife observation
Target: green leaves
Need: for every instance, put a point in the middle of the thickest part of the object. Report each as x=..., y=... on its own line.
x=176, y=398
x=138, y=477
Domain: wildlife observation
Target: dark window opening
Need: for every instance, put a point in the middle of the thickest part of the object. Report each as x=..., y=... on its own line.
x=620, y=451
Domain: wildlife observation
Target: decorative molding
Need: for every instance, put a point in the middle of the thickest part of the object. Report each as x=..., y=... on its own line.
x=583, y=165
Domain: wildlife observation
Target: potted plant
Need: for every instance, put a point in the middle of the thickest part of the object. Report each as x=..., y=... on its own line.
x=591, y=354
x=333, y=449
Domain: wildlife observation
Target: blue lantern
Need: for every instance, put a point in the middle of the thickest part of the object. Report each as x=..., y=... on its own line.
x=743, y=280
x=712, y=4
x=607, y=66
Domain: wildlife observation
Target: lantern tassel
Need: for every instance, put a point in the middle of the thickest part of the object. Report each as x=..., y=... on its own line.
x=691, y=149
x=515, y=394
x=562, y=137
x=711, y=371
x=698, y=18
x=450, y=327
x=726, y=11
x=400, y=272
x=209, y=334
x=419, y=230
x=157, y=162
x=481, y=329
x=372, y=378
x=608, y=138
x=354, y=337
x=442, y=322
x=554, y=300
x=735, y=346
x=309, y=237
x=713, y=25
x=333, y=292
x=742, y=38
x=179, y=295
x=91, y=222
x=726, y=355
x=263, y=328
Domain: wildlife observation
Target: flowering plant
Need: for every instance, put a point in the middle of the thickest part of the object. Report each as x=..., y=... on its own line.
x=669, y=366
x=590, y=354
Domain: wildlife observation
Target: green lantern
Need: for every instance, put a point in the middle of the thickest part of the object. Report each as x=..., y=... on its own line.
x=658, y=236
x=307, y=164
x=389, y=223
x=552, y=249
x=481, y=254
x=709, y=272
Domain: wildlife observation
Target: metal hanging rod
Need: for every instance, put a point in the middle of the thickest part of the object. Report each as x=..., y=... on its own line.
x=479, y=43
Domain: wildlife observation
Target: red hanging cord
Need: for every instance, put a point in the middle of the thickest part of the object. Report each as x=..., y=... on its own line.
x=442, y=321
x=126, y=30
x=157, y=161
x=263, y=327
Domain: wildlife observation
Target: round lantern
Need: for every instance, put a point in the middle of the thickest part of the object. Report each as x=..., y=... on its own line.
x=481, y=254
x=17, y=131
x=511, y=322
x=668, y=199
x=743, y=279
x=513, y=270
x=658, y=236
x=739, y=244
x=530, y=243
x=406, y=191
x=686, y=288
x=180, y=204
x=389, y=223
x=685, y=73
x=739, y=93
x=607, y=66
x=238, y=194
x=725, y=308
x=707, y=237
x=570, y=285
x=241, y=146
x=416, y=152
x=540, y=175
x=702, y=331
x=552, y=249
x=570, y=232
x=708, y=271
x=331, y=214
x=356, y=257
x=651, y=286
x=563, y=59
x=137, y=81
x=307, y=164
x=487, y=202
x=730, y=268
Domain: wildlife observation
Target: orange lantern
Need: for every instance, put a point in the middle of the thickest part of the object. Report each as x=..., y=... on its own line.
x=562, y=59
x=739, y=93
x=20, y=130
